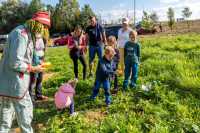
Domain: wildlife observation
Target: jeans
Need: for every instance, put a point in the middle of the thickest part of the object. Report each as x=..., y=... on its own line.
x=95, y=49
x=71, y=107
x=131, y=69
x=36, y=83
x=106, y=86
x=115, y=82
x=23, y=109
x=83, y=62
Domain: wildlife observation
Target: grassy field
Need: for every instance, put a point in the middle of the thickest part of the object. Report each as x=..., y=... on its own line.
x=170, y=64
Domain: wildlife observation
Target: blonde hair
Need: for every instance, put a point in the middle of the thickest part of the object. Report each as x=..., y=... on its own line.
x=109, y=50
x=36, y=27
x=110, y=39
x=73, y=83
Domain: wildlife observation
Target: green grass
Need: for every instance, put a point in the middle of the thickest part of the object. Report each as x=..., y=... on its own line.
x=172, y=105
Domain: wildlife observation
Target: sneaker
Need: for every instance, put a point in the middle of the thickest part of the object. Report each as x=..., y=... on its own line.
x=108, y=104
x=90, y=75
x=132, y=86
x=91, y=98
x=74, y=114
x=42, y=98
x=114, y=92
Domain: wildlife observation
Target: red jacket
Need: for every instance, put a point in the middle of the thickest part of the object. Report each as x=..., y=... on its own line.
x=82, y=42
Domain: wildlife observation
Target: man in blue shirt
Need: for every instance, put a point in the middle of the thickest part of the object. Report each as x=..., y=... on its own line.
x=96, y=37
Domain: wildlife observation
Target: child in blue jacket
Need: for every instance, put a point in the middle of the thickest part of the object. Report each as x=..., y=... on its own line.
x=103, y=74
x=132, y=59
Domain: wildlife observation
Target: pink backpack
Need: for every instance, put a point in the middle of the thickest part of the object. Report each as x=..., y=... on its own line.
x=63, y=96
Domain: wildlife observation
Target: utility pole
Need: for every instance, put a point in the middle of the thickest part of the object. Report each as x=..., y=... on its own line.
x=134, y=12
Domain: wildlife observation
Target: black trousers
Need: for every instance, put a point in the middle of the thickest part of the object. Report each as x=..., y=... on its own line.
x=35, y=83
x=82, y=59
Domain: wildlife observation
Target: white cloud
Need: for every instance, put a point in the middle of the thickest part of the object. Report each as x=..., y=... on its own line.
x=117, y=12
x=169, y=1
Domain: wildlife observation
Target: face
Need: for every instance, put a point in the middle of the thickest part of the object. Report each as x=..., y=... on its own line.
x=38, y=35
x=109, y=56
x=125, y=26
x=93, y=21
x=77, y=32
x=132, y=36
x=111, y=42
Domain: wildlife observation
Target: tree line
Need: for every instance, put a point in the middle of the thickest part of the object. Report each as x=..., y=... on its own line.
x=67, y=14
x=64, y=15
x=150, y=20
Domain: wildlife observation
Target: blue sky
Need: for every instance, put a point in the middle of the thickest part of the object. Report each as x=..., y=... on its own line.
x=116, y=9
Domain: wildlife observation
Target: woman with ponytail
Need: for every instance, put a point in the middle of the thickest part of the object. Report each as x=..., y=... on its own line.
x=78, y=46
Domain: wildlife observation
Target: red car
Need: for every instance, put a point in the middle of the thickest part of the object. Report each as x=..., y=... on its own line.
x=60, y=41
x=142, y=31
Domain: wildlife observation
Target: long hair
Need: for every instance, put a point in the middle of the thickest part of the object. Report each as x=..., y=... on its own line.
x=36, y=27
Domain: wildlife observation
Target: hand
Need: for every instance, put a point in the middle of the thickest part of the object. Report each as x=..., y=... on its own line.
x=38, y=68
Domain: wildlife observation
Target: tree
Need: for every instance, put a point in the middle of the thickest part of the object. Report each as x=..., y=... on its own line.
x=35, y=5
x=146, y=23
x=154, y=17
x=66, y=15
x=12, y=13
x=171, y=17
x=186, y=13
x=86, y=12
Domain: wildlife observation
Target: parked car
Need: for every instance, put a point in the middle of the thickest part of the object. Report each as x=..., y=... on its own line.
x=55, y=35
x=60, y=41
x=142, y=31
x=3, y=41
x=112, y=30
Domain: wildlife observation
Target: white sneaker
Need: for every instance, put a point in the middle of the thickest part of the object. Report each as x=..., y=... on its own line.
x=74, y=114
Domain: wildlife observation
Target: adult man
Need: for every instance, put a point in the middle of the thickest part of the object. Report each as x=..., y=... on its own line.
x=15, y=68
x=96, y=36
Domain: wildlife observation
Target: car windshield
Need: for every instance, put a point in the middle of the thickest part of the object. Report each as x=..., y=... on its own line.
x=3, y=40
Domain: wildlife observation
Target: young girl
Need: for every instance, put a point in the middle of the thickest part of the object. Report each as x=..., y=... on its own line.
x=64, y=96
x=77, y=45
x=115, y=61
x=132, y=58
x=36, y=78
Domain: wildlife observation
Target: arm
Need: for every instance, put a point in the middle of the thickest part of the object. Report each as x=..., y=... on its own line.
x=69, y=42
x=118, y=38
x=17, y=52
x=83, y=42
x=125, y=52
x=104, y=37
x=102, y=31
x=105, y=70
x=118, y=56
x=87, y=36
x=138, y=52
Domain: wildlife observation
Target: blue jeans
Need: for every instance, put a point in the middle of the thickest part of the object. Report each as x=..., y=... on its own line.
x=131, y=69
x=71, y=107
x=95, y=49
x=106, y=86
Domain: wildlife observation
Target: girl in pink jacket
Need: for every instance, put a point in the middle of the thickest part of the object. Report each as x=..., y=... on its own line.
x=64, y=96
